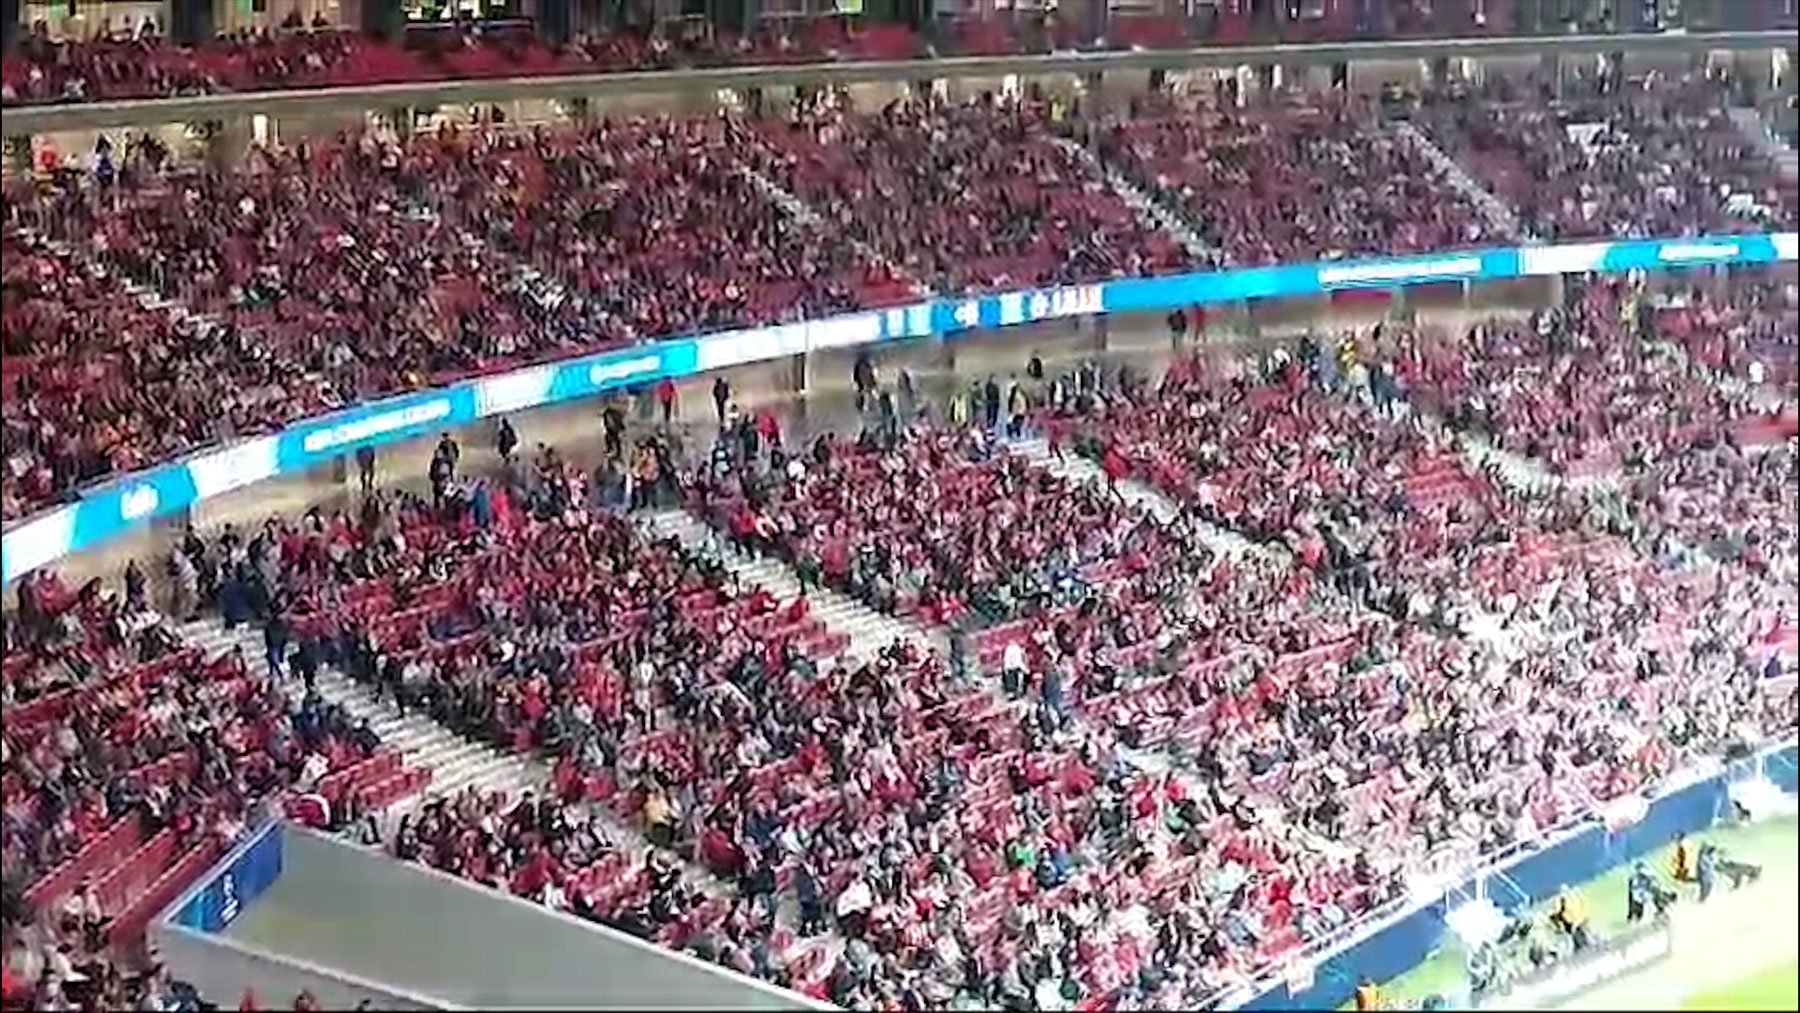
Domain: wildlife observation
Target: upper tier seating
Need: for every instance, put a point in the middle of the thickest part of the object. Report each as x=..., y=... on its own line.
x=973, y=195
x=1304, y=177
x=131, y=61
x=1656, y=157
x=130, y=64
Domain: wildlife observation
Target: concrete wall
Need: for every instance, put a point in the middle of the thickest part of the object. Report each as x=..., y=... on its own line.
x=370, y=917
x=221, y=969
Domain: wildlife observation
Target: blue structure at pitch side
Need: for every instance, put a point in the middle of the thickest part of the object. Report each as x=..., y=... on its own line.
x=1387, y=945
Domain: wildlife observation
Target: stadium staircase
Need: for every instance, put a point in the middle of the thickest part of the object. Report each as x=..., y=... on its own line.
x=1518, y=471
x=1750, y=123
x=803, y=213
x=870, y=632
x=1074, y=468
x=455, y=762
x=149, y=297
x=1499, y=216
x=1147, y=209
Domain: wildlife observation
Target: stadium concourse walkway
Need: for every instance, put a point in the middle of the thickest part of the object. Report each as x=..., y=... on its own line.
x=574, y=429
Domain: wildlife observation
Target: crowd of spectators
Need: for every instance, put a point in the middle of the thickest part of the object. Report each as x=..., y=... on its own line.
x=123, y=60
x=978, y=194
x=884, y=802
x=339, y=269
x=134, y=61
x=940, y=527
x=132, y=760
x=42, y=975
x=1144, y=767
x=87, y=389
x=1581, y=388
x=1297, y=176
x=1744, y=326
x=1650, y=156
x=1531, y=746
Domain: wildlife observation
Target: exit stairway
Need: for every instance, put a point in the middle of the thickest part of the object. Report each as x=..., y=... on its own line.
x=870, y=632
x=455, y=762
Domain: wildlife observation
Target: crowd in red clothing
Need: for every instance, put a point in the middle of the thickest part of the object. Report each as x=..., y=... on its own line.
x=135, y=62
x=1647, y=156
x=986, y=194
x=731, y=728
x=132, y=61
x=1295, y=177
x=340, y=269
x=1580, y=387
x=1145, y=767
x=1744, y=325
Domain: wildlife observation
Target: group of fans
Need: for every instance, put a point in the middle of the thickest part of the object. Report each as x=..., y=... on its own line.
x=1392, y=675
x=349, y=267
x=128, y=58
x=1133, y=758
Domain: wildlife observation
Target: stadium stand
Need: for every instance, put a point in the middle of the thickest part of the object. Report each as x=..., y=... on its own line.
x=138, y=63
x=727, y=725
x=1198, y=669
x=264, y=274
x=966, y=196
x=1305, y=176
x=120, y=60
x=1557, y=388
x=1654, y=156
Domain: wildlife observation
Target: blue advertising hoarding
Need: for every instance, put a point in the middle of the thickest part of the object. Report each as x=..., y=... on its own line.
x=1384, y=948
x=111, y=509
x=234, y=883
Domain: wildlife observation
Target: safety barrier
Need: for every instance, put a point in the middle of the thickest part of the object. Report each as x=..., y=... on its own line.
x=108, y=510
x=1387, y=945
x=235, y=882
x=296, y=909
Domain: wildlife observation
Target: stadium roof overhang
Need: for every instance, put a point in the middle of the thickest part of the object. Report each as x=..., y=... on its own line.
x=147, y=112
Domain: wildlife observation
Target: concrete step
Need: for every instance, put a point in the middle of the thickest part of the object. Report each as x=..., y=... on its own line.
x=870, y=632
x=1075, y=468
x=455, y=762
x=1149, y=210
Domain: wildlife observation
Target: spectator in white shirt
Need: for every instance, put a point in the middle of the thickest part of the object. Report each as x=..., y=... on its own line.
x=853, y=906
